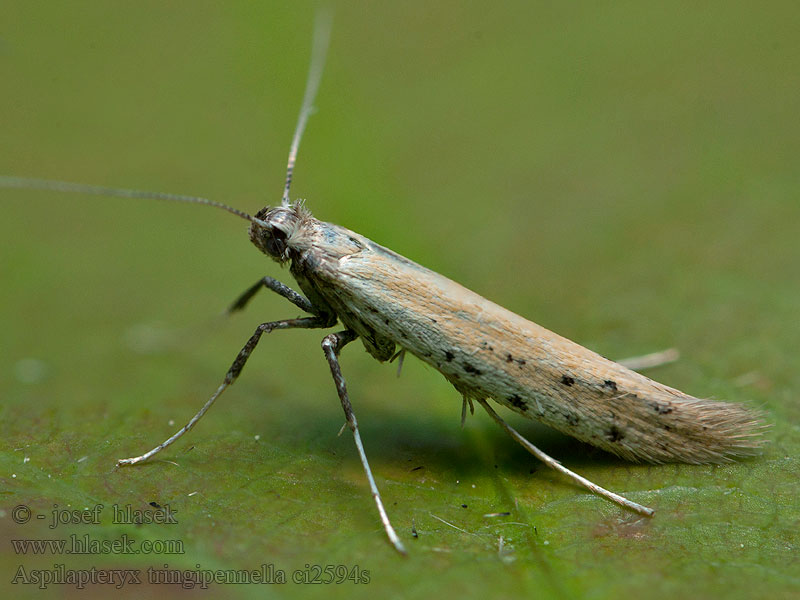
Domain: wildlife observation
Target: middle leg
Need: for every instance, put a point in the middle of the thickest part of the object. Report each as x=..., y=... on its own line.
x=331, y=345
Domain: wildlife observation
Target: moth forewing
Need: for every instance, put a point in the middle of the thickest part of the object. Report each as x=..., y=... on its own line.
x=487, y=351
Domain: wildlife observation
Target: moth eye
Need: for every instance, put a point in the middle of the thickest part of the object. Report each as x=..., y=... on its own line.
x=276, y=243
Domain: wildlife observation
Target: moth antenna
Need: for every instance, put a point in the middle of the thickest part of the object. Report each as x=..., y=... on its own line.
x=99, y=190
x=322, y=35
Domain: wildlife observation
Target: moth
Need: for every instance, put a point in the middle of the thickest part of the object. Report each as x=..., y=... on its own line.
x=395, y=306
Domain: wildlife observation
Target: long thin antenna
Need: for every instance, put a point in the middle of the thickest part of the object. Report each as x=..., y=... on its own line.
x=7, y=181
x=322, y=35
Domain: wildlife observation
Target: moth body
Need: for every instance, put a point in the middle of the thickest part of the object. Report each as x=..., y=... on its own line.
x=487, y=351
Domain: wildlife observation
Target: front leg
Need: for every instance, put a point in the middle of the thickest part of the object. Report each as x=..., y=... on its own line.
x=230, y=377
x=331, y=345
x=277, y=287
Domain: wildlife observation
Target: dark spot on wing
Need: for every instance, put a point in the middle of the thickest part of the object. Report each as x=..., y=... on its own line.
x=517, y=401
x=357, y=243
x=661, y=409
x=614, y=434
x=612, y=385
x=449, y=355
x=567, y=381
x=509, y=358
x=470, y=369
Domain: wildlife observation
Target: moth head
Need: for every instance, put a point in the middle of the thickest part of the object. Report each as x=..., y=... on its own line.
x=271, y=230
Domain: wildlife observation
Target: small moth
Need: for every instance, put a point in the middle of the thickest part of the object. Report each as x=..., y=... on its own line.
x=395, y=306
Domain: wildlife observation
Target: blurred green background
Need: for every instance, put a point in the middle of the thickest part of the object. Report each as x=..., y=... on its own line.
x=623, y=173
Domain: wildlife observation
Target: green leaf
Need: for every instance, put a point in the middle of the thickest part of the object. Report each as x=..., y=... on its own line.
x=625, y=175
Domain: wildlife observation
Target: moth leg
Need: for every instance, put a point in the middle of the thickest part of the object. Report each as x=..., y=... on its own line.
x=400, y=356
x=277, y=287
x=331, y=345
x=230, y=377
x=464, y=401
x=554, y=464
